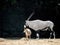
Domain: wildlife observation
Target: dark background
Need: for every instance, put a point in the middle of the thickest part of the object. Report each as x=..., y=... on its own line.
x=14, y=13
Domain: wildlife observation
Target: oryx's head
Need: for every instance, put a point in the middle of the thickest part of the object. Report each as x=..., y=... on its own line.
x=27, y=22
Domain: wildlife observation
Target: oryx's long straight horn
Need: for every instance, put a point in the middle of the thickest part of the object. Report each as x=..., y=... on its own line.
x=30, y=15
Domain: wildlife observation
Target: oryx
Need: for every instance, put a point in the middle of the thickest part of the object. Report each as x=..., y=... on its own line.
x=40, y=25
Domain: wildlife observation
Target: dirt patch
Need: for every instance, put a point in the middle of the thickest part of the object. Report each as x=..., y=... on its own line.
x=30, y=42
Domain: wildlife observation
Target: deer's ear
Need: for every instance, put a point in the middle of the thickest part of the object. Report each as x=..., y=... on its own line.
x=24, y=26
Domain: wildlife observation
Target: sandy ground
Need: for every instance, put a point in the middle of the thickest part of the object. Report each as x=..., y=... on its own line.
x=29, y=42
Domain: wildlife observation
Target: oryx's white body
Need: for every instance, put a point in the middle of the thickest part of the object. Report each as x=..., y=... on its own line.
x=39, y=24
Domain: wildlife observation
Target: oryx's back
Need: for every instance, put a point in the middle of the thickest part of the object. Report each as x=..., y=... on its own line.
x=39, y=24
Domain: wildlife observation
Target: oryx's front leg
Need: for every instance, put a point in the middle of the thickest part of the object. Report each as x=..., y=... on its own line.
x=37, y=36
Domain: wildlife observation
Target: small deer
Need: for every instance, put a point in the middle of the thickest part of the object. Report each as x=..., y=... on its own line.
x=27, y=32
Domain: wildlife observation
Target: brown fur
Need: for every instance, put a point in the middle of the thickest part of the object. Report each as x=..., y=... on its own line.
x=27, y=32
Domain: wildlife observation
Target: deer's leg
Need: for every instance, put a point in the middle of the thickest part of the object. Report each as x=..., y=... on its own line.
x=29, y=36
x=26, y=37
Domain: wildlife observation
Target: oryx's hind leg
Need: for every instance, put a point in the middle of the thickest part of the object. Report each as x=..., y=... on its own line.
x=54, y=34
x=50, y=32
